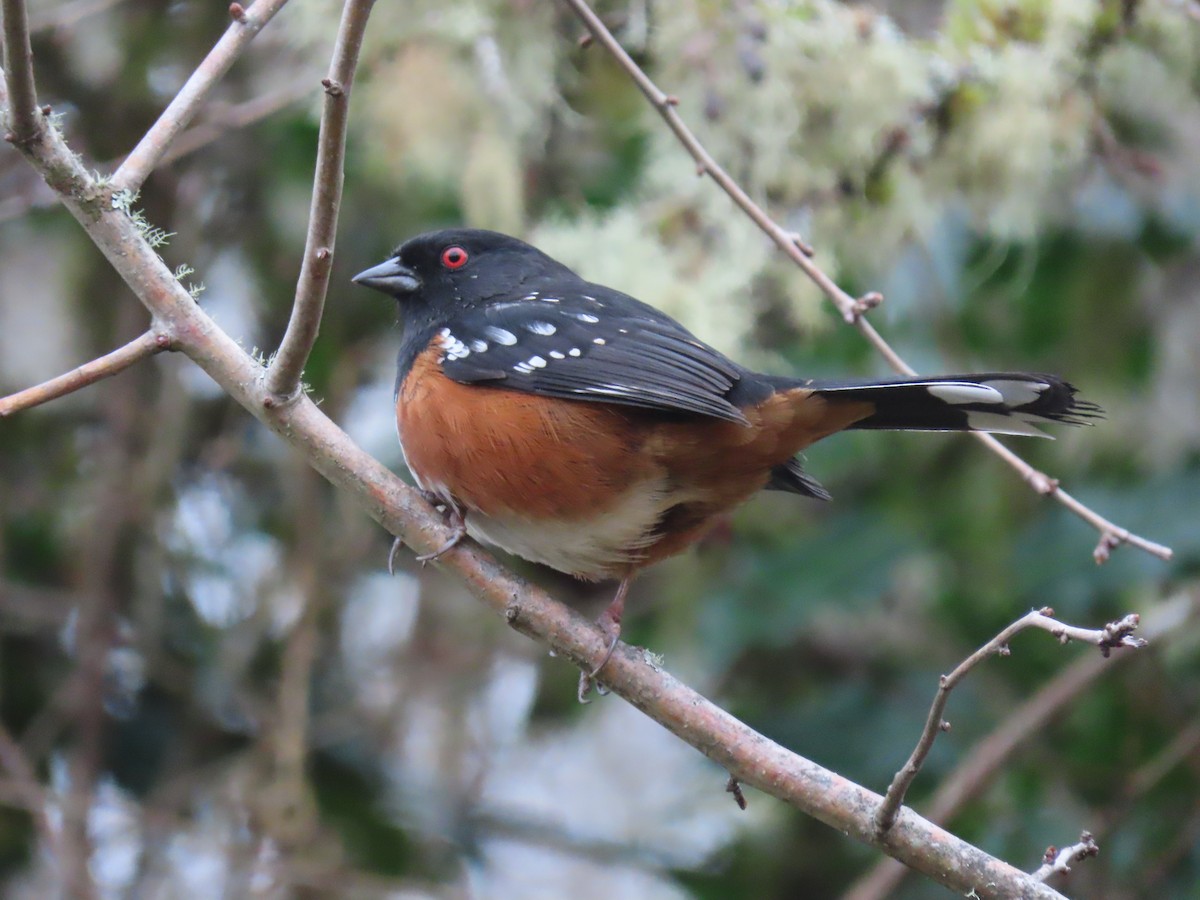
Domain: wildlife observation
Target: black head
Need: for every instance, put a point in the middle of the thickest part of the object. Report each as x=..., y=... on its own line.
x=460, y=267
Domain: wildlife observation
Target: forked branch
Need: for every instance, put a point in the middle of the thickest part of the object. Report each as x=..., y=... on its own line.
x=1114, y=634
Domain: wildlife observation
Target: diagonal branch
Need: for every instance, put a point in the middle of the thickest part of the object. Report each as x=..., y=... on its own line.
x=25, y=119
x=283, y=377
x=1115, y=634
x=749, y=757
x=89, y=373
x=180, y=111
x=851, y=309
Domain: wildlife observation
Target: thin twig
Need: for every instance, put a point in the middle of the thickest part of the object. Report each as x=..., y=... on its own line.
x=1115, y=634
x=1163, y=624
x=106, y=366
x=283, y=377
x=1058, y=862
x=1111, y=534
x=182, y=109
x=851, y=309
x=25, y=119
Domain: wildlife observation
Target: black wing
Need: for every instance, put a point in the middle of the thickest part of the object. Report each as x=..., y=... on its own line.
x=601, y=346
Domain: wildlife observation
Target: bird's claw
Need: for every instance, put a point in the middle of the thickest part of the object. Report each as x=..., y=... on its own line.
x=587, y=680
x=396, y=545
x=460, y=532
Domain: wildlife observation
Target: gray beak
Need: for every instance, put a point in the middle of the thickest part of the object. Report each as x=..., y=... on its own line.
x=390, y=277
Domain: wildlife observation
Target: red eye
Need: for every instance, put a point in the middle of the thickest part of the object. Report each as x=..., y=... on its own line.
x=454, y=257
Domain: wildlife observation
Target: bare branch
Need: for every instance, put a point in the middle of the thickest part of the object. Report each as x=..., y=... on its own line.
x=749, y=757
x=119, y=360
x=1111, y=534
x=181, y=110
x=1059, y=861
x=850, y=308
x=1115, y=634
x=283, y=377
x=25, y=119
x=975, y=772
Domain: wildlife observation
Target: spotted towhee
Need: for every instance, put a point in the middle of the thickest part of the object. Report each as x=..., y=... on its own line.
x=575, y=426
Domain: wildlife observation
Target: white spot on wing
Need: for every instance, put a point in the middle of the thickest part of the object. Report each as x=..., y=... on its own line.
x=574, y=351
x=964, y=392
x=455, y=349
x=478, y=346
x=599, y=341
x=537, y=362
x=557, y=355
x=540, y=328
x=500, y=335
x=585, y=317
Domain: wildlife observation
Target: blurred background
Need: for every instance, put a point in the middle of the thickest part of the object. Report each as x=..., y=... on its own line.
x=220, y=692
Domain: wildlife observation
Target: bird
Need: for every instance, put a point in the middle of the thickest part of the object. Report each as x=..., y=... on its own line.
x=573, y=425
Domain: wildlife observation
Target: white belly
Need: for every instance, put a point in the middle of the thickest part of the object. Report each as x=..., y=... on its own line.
x=597, y=547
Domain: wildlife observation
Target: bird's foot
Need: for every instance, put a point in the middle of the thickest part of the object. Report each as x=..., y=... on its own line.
x=458, y=524
x=454, y=519
x=609, y=624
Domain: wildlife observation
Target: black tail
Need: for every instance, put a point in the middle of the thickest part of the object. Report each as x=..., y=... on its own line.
x=999, y=402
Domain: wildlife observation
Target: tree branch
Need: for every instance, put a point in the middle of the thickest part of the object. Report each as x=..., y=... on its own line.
x=1115, y=634
x=283, y=377
x=25, y=119
x=748, y=756
x=119, y=360
x=850, y=308
x=975, y=771
x=182, y=109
